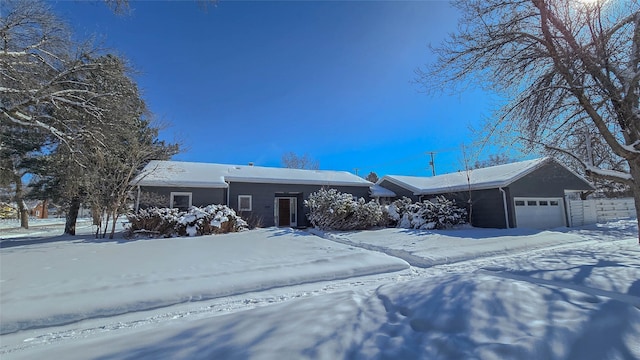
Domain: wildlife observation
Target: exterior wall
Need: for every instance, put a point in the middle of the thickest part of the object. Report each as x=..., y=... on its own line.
x=488, y=207
x=550, y=180
x=399, y=190
x=199, y=196
x=263, y=197
x=40, y=211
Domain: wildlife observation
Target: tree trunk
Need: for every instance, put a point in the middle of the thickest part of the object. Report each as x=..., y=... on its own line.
x=24, y=215
x=634, y=168
x=96, y=214
x=72, y=216
x=45, y=209
x=23, y=212
x=113, y=224
x=106, y=225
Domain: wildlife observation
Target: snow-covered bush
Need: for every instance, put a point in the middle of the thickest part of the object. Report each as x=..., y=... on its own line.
x=157, y=221
x=212, y=219
x=440, y=213
x=333, y=210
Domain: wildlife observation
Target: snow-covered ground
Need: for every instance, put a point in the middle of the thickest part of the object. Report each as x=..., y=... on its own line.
x=279, y=293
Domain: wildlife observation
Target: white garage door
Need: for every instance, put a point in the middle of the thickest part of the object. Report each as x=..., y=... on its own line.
x=539, y=213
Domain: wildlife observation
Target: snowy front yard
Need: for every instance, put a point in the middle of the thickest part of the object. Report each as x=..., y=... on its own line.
x=61, y=282
x=275, y=293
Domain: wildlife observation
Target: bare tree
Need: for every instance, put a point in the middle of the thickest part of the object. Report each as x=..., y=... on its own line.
x=132, y=143
x=293, y=161
x=566, y=66
x=122, y=7
x=493, y=160
x=42, y=71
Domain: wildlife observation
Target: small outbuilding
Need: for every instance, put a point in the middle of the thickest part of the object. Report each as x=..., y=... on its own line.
x=265, y=196
x=526, y=194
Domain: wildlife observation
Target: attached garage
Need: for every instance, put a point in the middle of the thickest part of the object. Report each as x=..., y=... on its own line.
x=539, y=213
x=525, y=194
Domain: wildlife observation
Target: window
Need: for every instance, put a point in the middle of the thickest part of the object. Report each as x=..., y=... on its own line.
x=544, y=203
x=519, y=203
x=180, y=200
x=531, y=203
x=553, y=203
x=244, y=202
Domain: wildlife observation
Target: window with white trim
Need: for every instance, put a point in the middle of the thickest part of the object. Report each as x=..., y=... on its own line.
x=244, y=202
x=180, y=200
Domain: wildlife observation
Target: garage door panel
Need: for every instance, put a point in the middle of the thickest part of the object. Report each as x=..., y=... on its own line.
x=539, y=213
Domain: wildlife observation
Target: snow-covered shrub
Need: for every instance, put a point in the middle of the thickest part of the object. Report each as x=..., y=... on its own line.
x=155, y=221
x=440, y=213
x=333, y=210
x=212, y=219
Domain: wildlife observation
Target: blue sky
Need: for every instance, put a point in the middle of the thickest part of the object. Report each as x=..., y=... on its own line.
x=249, y=81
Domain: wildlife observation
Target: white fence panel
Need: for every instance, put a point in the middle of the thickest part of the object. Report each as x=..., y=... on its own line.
x=613, y=209
x=583, y=212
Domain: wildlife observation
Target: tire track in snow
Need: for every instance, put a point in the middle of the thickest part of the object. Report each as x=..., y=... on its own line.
x=629, y=299
x=204, y=309
x=413, y=260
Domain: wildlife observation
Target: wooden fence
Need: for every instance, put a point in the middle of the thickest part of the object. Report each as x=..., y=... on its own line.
x=583, y=212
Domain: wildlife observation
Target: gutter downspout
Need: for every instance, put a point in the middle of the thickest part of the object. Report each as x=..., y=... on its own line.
x=228, y=193
x=506, y=211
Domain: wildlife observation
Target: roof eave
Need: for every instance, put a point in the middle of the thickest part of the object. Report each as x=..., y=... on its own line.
x=402, y=184
x=453, y=189
x=295, y=182
x=191, y=184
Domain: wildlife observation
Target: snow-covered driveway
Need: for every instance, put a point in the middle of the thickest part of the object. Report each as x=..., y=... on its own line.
x=424, y=248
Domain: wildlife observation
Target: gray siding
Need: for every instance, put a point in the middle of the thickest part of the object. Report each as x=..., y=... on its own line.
x=399, y=190
x=550, y=180
x=488, y=207
x=199, y=196
x=263, y=197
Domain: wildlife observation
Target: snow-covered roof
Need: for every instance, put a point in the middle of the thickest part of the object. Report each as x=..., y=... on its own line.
x=378, y=191
x=193, y=174
x=484, y=178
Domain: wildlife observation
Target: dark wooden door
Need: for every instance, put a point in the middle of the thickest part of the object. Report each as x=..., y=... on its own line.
x=284, y=212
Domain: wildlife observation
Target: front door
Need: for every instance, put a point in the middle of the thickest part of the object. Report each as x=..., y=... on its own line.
x=286, y=211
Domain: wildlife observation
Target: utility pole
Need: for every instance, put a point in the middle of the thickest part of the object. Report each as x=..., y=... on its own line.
x=432, y=163
x=356, y=170
x=588, y=144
